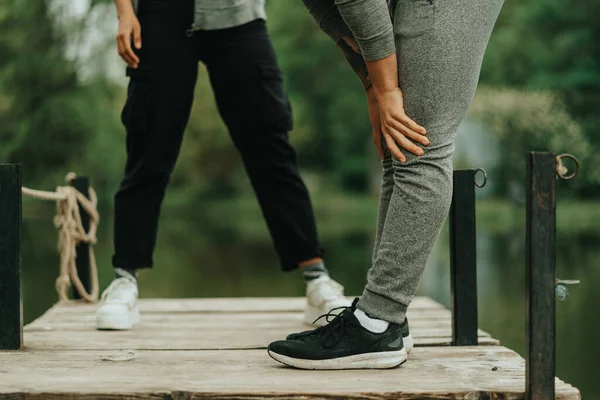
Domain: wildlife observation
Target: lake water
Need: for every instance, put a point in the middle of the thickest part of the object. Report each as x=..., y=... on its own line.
x=214, y=252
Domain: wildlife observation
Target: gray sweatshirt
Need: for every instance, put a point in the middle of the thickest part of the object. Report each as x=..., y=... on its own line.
x=220, y=14
x=369, y=21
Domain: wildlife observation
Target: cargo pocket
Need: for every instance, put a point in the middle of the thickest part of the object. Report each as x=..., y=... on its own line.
x=276, y=110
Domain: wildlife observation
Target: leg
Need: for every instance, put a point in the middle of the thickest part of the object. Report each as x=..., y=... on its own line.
x=159, y=99
x=249, y=91
x=253, y=104
x=439, y=67
x=439, y=63
x=385, y=195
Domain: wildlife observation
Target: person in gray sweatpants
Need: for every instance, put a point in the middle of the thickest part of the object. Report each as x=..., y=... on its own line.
x=436, y=48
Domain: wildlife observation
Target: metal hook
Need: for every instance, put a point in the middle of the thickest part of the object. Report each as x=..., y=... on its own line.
x=482, y=184
x=561, y=170
x=567, y=282
x=561, y=290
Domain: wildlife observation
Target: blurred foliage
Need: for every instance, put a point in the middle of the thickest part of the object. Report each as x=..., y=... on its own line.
x=553, y=46
x=527, y=121
x=328, y=97
x=54, y=118
x=49, y=120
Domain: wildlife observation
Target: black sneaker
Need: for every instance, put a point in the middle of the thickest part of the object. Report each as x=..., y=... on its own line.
x=342, y=344
x=406, y=336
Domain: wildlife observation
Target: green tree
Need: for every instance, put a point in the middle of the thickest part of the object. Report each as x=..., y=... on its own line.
x=50, y=121
x=329, y=101
x=550, y=45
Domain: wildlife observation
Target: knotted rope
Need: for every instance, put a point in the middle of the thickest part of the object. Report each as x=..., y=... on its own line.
x=71, y=233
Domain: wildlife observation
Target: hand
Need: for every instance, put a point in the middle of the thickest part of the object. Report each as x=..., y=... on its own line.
x=397, y=128
x=375, y=118
x=129, y=26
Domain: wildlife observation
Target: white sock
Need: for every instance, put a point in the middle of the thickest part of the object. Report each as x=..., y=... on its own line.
x=372, y=324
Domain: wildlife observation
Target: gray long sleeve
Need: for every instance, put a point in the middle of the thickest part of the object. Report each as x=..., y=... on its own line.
x=369, y=22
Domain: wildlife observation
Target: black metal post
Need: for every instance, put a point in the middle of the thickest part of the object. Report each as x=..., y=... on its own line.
x=541, y=265
x=463, y=259
x=82, y=184
x=11, y=305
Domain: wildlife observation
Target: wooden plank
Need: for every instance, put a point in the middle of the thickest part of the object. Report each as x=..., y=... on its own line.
x=233, y=335
x=207, y=322
x=187, y=320
x=156, y=323
x=60, y=314
x=205, y=331
x=247, y=304
x=434, y=373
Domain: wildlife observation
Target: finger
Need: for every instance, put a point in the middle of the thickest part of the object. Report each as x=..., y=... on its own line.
x=120, y=49
x=403, y=129
x=378, y=143
x=134, y=60
x=406, y=144
x=121, y=45
x=393, y=148
x=137, y=36
x=412, y=124
x=126, y=52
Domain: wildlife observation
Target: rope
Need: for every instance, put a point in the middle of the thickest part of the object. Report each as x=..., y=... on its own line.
x=39, y=194
x=71, y=233
x=560, y=167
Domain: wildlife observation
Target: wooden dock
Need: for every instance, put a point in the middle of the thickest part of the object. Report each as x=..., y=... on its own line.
x=215, y=349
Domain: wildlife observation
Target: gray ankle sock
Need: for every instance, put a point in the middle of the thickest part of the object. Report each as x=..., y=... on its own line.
x=125, y=273
x=314, y=271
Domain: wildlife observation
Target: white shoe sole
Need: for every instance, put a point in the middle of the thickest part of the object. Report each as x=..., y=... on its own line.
x=115, y=321
x=409, y=343
x=381, y=360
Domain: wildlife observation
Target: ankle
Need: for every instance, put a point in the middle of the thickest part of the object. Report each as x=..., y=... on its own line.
x=313, y=270
x=310, y=261
x=370, y=323
x=125, y=273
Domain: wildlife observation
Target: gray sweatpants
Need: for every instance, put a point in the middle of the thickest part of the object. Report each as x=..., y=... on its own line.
x=440, y=46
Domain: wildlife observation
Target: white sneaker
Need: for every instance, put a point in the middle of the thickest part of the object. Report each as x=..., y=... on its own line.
x=323, y=294
x=119, y=309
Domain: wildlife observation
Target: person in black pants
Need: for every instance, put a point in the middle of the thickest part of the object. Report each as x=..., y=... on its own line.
x=248, y=88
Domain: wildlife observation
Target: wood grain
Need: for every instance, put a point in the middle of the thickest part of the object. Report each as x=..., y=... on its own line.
x=225, y=304
x=203, y=327
x=241, y=337
x=215, y=349
x=438, y=373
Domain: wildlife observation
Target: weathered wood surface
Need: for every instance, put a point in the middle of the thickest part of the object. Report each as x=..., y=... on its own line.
x=214, y=349
x=225, y=304
x=210, y=324
x=485, y=372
